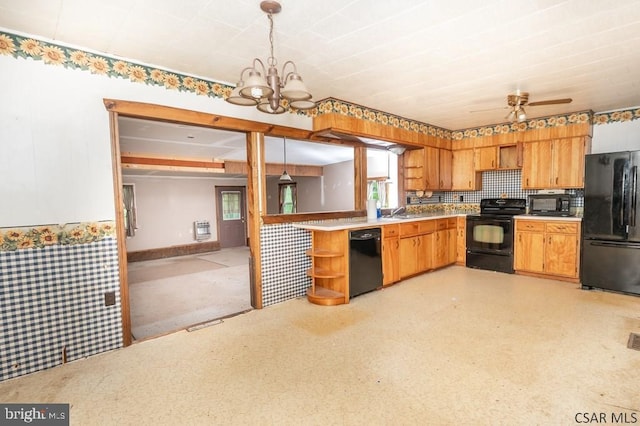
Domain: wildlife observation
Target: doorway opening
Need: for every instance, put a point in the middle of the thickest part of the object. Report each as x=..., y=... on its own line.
x=177, y=275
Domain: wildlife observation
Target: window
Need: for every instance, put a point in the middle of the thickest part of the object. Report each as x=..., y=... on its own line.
x=129, y=207
x=231, y=205
x=288, y=197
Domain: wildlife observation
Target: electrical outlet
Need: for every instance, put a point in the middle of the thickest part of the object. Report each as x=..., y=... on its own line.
x=110, y=298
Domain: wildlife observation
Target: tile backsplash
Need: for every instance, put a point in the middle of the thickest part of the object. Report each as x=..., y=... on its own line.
x=495, y=184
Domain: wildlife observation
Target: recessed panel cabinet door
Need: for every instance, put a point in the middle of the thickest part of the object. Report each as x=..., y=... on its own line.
x=561, y=254
x=568, y=167
x=537, y=164
x=390, y=260
x=408, y=257
x=529, y=252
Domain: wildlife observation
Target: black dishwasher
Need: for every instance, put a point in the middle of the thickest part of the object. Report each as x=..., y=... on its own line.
x=365, y=261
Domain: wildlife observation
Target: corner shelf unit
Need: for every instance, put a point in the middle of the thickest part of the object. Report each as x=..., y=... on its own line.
x=329, y=270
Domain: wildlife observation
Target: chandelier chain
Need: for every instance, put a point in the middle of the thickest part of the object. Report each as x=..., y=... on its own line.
x=272, y=60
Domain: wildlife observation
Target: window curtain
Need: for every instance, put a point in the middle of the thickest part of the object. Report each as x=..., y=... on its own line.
x=128, y=200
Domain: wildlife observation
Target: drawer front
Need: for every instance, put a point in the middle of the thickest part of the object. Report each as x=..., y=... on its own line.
x=528, y=225
x=452, y=222
x=408, y=229
x=427, y=226
x=441, y=224
x=390, y=231
x=562, y=228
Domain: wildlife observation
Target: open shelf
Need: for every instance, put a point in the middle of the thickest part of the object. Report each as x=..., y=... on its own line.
x=324, y=296
x=323, y=273
x=322, y=253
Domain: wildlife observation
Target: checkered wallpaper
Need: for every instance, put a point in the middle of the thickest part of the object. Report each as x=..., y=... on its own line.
x=284, y=263
x=52, y=298
x=494, y=184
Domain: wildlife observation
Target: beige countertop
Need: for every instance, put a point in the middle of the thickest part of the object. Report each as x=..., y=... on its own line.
x=547, y=218
x=338, y=225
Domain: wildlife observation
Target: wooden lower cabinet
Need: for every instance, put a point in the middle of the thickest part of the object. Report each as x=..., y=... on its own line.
x=461, y=241
x=426, y=245
x=390, y=254
x=549, y=248
x=329, y=270
x=444, y=242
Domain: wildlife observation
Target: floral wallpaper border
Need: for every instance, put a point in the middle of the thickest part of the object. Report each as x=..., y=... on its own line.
x=58, y=55
x=332, y=105
x=12, y=239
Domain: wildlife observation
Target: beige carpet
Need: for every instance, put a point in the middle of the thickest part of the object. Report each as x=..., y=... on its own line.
x=173, y=294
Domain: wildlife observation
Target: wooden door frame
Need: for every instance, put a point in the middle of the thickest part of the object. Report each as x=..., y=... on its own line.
x=256, y=181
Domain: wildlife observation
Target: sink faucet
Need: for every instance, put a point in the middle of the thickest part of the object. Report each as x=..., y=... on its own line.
x=400, y=209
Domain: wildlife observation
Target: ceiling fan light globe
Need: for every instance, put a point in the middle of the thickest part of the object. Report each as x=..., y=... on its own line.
x=522, y=115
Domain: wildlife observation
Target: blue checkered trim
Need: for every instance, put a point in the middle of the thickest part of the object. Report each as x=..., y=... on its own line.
x=53, y=298
x=494, y=184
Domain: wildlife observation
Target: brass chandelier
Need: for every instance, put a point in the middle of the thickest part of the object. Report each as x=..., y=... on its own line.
x=271, y=94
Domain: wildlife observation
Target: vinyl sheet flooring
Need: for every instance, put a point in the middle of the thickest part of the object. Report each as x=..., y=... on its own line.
x=456, y=346
x=175, y=293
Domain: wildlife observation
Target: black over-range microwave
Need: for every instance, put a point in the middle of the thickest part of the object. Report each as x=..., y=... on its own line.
x=551, y=205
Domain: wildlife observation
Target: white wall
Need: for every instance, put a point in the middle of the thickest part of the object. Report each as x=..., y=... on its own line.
x=168, y=206
x=338, y=181
x=55, y=158
x=618, y=136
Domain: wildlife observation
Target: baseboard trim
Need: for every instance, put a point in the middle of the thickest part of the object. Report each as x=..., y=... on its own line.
x=181, y=250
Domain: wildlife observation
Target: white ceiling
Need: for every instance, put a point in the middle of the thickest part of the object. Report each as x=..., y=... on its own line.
x=430, y=61
x=426, y=60
x=171, y=140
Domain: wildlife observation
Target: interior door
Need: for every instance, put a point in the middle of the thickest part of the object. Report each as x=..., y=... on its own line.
x=231, y=212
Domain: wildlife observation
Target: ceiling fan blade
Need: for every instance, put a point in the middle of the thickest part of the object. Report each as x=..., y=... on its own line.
x=551, y=102
x=488, y=109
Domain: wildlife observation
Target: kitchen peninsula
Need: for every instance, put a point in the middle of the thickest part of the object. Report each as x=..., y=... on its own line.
x=424, y=242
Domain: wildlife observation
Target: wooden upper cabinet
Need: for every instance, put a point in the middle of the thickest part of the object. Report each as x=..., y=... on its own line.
x=556, y=163
x=414, y=169
x=536, y=165
x=427, y=168
x=445, y=169
x=503, y=157
x=486, y=158
x=432, y=166
x=464, y=175
x=568, y=166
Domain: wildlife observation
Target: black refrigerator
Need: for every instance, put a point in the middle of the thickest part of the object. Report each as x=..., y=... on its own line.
x=611, y=223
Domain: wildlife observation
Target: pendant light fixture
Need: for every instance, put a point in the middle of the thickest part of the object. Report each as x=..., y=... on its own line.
x=285, y=176
x=271, y=94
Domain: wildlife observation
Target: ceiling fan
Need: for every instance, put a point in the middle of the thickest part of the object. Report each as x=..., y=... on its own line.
x=518, y=100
